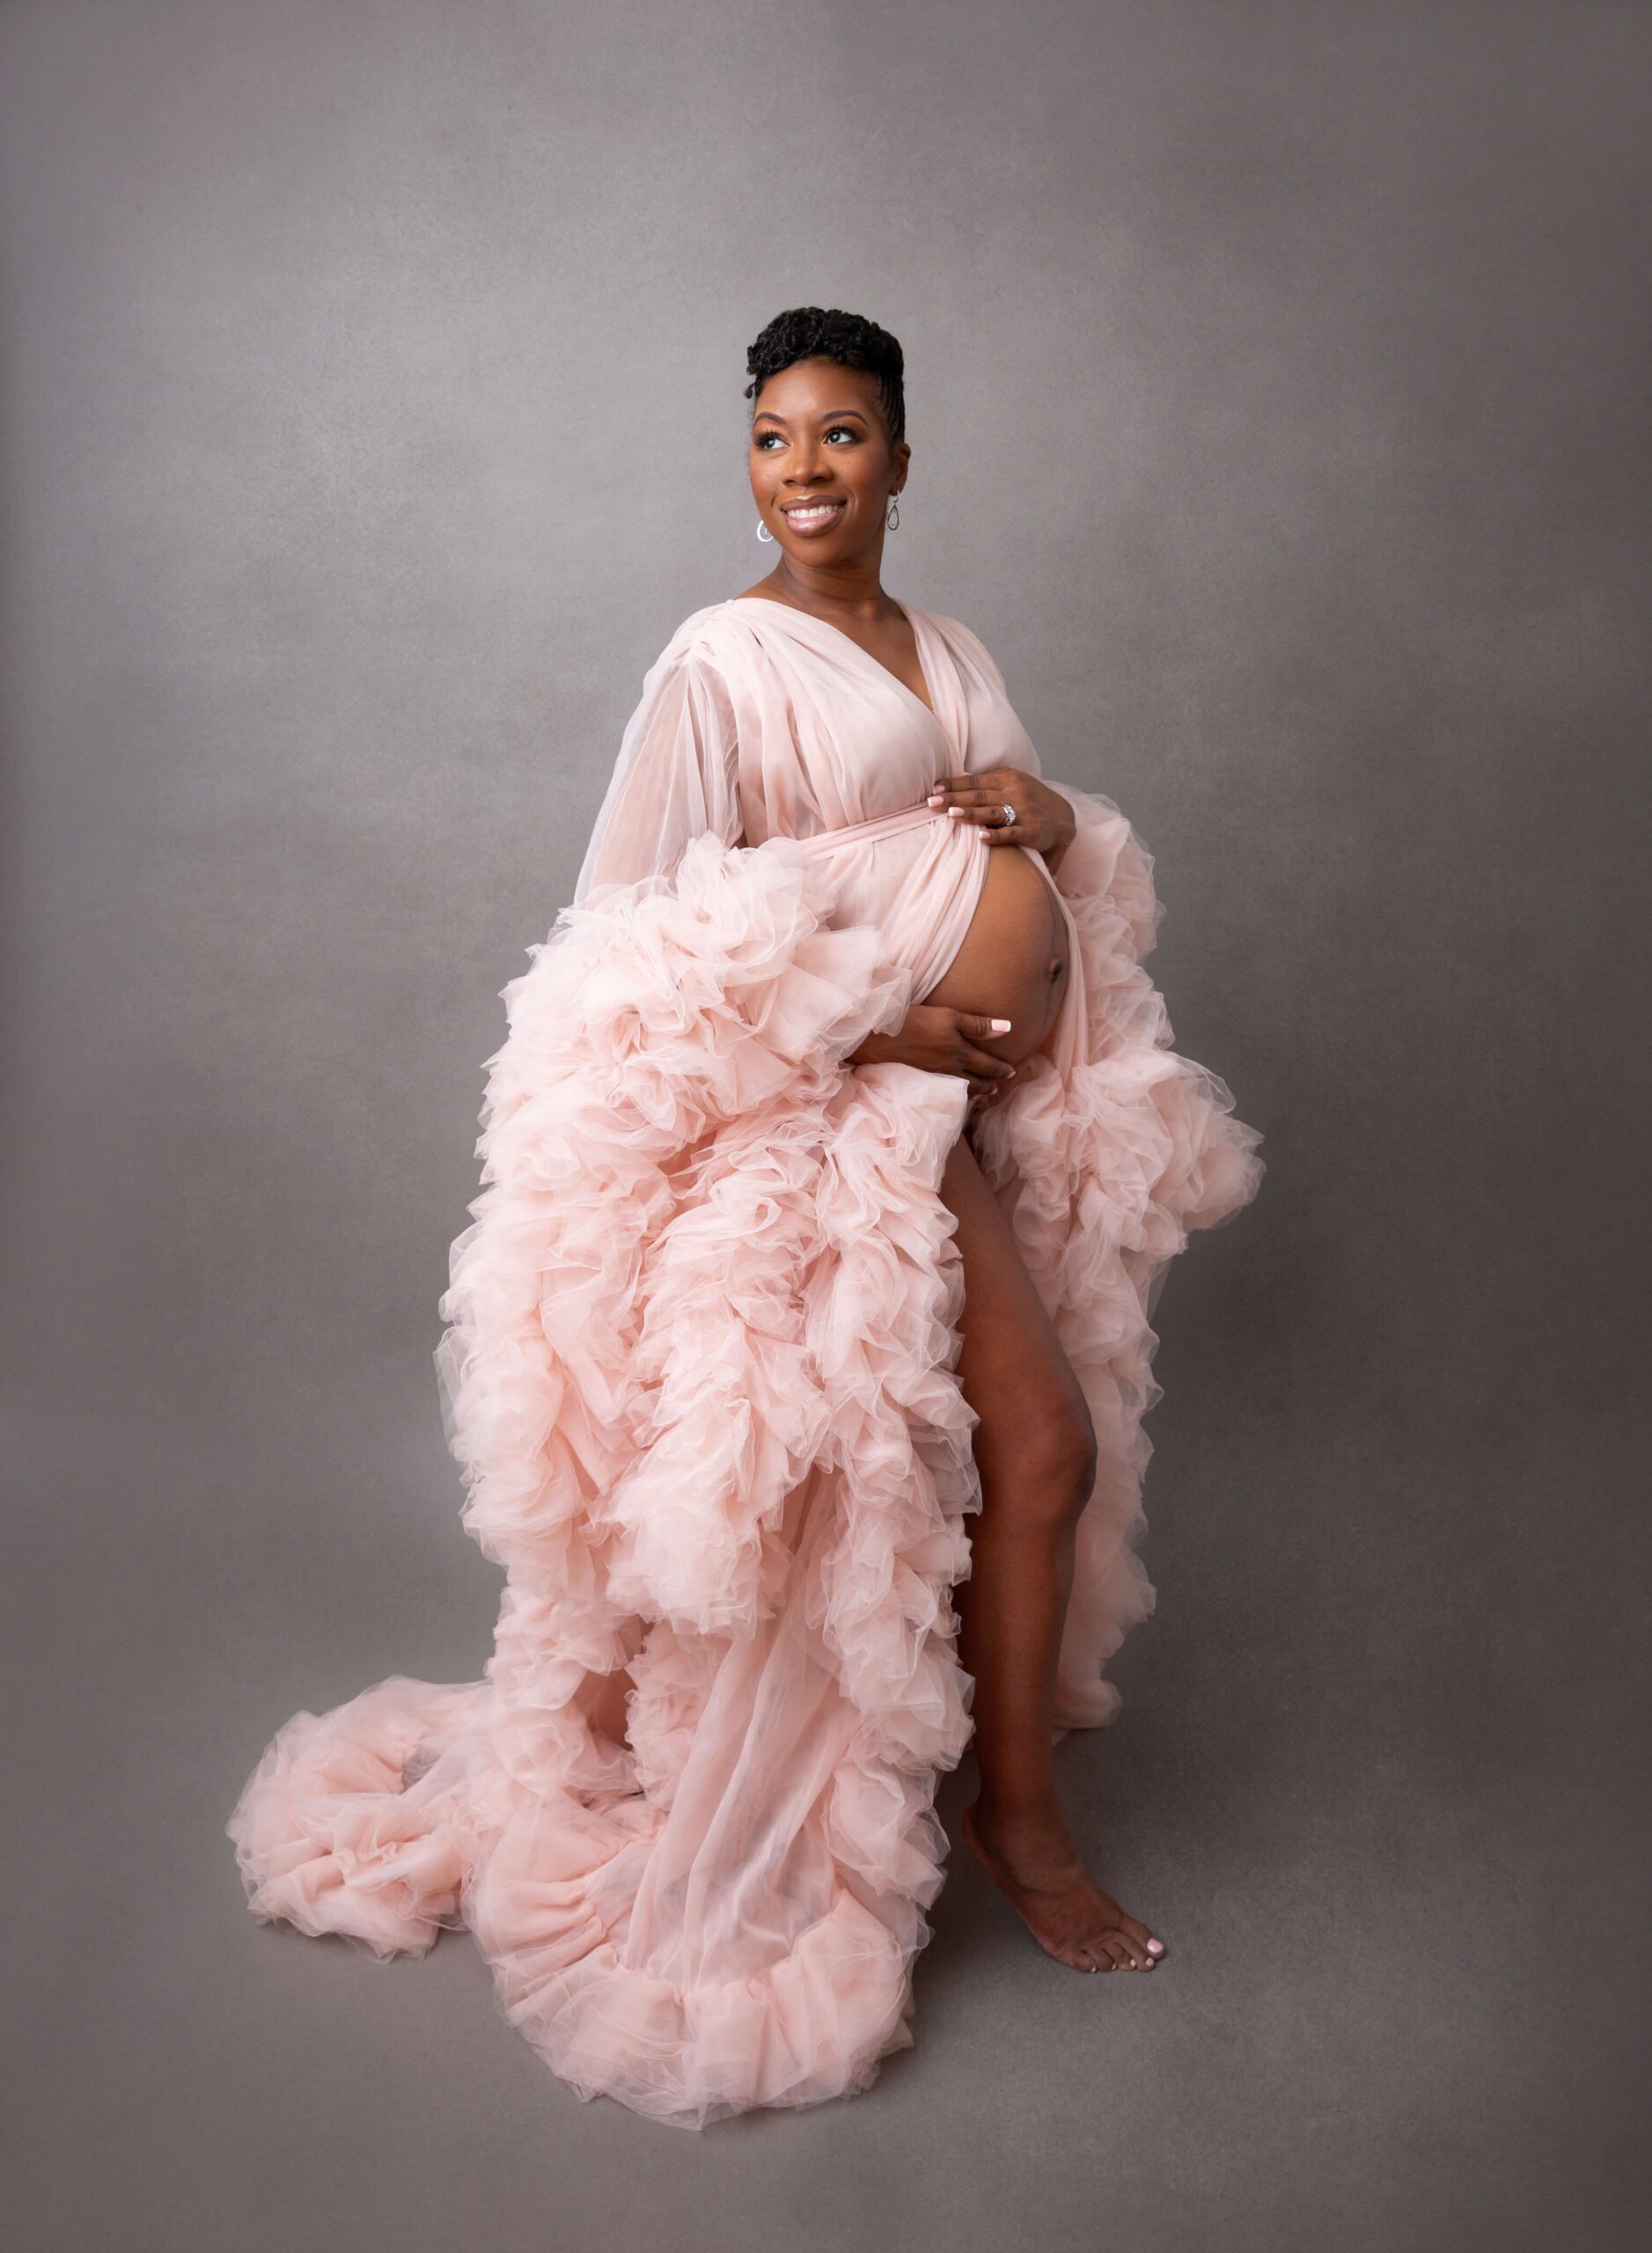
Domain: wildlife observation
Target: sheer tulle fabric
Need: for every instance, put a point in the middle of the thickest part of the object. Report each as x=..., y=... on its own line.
x=699, y=1373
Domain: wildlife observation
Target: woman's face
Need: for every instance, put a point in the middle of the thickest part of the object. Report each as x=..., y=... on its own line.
x=822, y=465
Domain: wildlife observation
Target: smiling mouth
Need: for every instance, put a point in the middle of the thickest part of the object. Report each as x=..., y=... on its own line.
x=813, y=516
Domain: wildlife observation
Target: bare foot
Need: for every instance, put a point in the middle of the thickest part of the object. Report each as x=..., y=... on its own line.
x=1059, y=1902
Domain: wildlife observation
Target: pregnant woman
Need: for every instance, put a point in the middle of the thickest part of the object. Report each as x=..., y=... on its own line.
x=831, y=1162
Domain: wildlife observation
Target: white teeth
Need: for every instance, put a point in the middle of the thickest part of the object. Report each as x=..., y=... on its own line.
x=813, y=516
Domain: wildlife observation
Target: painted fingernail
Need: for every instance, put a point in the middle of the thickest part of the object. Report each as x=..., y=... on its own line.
x=957, y=812
x=935, y=799
x=1003, y=1024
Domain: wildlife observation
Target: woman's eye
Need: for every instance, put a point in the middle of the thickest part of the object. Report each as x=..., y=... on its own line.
x=759, y=443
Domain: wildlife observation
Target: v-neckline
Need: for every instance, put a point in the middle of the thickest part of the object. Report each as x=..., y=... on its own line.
x=929, y=706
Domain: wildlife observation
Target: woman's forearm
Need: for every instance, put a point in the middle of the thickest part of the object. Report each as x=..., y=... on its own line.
x=877, y=1048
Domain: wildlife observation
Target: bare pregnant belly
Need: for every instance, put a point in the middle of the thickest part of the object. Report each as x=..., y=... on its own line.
x=1013, y=961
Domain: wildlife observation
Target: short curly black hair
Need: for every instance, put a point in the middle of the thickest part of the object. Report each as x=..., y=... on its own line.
x=823, y=333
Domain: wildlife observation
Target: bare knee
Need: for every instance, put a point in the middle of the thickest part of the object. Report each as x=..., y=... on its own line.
x=1045, y=1466
x=1072, y=1460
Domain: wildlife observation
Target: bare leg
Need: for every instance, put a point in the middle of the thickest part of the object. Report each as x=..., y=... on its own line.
x=1035, y=1451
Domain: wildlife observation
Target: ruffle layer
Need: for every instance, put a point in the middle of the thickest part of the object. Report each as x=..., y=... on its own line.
x=699, y=1376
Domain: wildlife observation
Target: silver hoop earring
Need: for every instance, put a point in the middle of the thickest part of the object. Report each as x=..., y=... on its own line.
x=893, y=523
x=763, y=531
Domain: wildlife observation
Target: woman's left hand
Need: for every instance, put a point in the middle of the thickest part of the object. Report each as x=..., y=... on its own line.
x=1044, y=820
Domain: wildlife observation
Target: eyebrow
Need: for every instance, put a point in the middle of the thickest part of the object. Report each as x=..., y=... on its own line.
x=834, y=415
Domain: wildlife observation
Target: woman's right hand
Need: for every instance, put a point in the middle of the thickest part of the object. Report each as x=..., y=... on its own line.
x=936, y=1039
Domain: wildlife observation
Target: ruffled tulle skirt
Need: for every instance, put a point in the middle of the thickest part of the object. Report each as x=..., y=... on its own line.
x=699, y=1373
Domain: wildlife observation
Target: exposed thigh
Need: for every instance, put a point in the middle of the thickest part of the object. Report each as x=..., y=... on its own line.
x=1012, y=1368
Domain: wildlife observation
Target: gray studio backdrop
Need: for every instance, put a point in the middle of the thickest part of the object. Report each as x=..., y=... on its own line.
x=373, y=414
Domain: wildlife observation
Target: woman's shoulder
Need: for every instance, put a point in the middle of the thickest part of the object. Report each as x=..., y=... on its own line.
x=697, y=631
x=707, y=643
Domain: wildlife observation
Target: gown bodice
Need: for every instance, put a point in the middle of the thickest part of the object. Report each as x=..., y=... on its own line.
x=758, y=722
x=827, y=736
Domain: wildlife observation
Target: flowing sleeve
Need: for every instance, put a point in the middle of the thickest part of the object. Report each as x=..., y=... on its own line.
x=676, y=777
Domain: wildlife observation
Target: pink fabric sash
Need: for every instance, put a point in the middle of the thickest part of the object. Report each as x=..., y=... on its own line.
x=926, y=912
x=881, y=825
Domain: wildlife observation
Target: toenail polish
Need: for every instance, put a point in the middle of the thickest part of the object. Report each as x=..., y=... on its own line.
x=1156, y=1948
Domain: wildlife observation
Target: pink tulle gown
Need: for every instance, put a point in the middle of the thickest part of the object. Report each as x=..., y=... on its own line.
x=698, y=1370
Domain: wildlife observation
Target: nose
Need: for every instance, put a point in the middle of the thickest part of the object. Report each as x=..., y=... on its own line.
x=805, y=465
